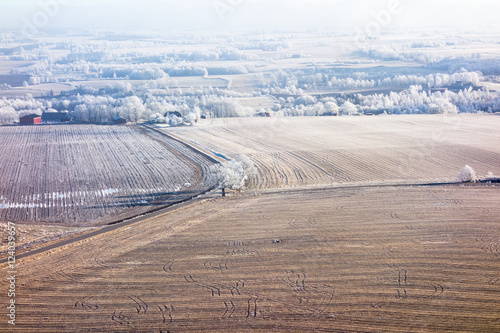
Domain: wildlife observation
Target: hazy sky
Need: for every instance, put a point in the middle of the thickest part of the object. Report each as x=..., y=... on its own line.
x=248, y=14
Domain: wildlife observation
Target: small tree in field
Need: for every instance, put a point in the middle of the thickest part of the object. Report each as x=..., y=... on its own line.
x=234, y=174
x=467, y=175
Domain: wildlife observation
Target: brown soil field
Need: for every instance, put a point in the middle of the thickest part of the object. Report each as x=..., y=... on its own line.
x=333, y=234
x=31, y=236
x=312, y=151
x=360, y=259
x=89, y=175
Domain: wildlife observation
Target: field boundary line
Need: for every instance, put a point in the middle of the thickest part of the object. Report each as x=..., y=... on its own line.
x=191, y=145
x=357, y=186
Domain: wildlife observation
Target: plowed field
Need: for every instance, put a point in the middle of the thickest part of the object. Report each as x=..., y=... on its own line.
x=404, y=259
x=86, y=174
x=291, y=152
x=334, y=235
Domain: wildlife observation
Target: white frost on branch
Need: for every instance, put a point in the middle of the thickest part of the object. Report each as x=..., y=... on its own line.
x=467, y=175
x=348, y=108
x=235, y=174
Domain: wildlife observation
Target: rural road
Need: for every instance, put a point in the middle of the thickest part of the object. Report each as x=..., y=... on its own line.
x=112, y=226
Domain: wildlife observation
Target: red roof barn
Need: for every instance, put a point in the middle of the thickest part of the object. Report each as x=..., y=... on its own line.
x=30, y=119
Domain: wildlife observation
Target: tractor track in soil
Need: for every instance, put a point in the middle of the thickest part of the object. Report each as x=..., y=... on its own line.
x=198, y=198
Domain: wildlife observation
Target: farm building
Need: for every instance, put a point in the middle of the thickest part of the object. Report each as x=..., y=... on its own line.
x=119, y=121
x=55, y=117
x=174, y=118
x=30, y=119
x=173, y=113
x=492, y=179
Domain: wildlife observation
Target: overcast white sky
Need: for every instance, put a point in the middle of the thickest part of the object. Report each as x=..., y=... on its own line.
x=248, y=14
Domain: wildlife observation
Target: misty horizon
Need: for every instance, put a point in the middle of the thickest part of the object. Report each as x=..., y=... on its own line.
x=234, y=15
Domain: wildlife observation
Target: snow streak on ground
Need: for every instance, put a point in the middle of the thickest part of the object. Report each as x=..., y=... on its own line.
x=87, y=173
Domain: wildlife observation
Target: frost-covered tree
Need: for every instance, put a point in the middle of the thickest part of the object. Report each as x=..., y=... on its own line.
x=227, y=107
x=249, y=168
x=305, y=100
x=8, y=115
x=175, y=121
x=193, y=116
x=442, y=106
x=348, y=109
x=133, y=108
x=331, y=107
x=467, y=175
x=234, y=174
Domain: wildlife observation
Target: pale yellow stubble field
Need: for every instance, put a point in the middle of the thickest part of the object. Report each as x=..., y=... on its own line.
x=333, y=151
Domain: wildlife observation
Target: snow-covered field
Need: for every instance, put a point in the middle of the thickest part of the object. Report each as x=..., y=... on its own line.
x=220, y=76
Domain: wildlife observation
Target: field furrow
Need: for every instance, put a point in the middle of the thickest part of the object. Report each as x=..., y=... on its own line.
x=86, y=174
x=392, y=259
x=291, y=152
